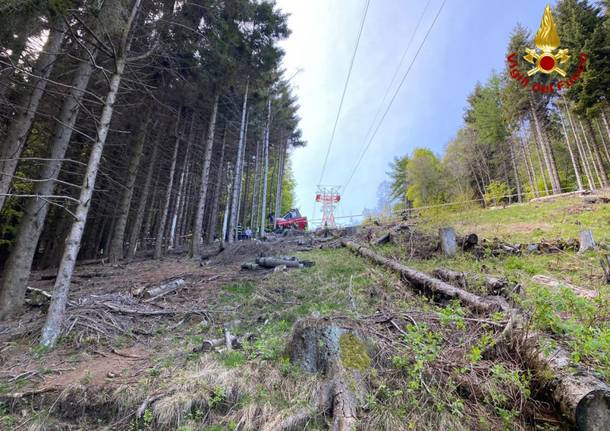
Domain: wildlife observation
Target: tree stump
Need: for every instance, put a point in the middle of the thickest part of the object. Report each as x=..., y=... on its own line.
x=448, y=241
x=586, y=241
x=338, y=352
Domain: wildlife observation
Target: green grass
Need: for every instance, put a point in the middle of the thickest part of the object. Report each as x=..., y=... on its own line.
x=561, y=218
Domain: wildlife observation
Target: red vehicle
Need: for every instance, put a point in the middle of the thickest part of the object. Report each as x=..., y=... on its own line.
x=292, y=220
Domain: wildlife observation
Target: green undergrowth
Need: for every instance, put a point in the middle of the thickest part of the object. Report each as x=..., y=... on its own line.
x=532, y=221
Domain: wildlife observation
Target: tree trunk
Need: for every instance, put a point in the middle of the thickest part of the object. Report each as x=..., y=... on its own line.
x=572, y=157
x=579, y=147
x=604, y=145
x=528, y=168
x=540, y=165
x=244, y=204
x=55, y=316
x=280, y=180
x=225, y=219
x=204, y=183
x=159, y=249
x=180, y=197
x=546, y=153
x=596, y=156
x=238, y=169
x=115, y=252
x=254, y=210
x=605, y=120
x=217, y=190
x=31, y=225
x=588, y=148
x=144, y=198
x=16, y=135
x=266, y=174
x=513, y=160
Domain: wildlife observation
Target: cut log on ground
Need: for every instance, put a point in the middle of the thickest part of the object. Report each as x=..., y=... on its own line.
x=37, y=297
x=581, y=397
x=431, y=284
x=493, y=285
x=456, y=278
x=164, y=289
x=272, y=262
x=586, y=241
x=338, y=352
x=448, y=241
x=556, y=284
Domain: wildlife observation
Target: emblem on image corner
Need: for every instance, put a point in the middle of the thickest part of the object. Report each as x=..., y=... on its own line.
x=546, y=57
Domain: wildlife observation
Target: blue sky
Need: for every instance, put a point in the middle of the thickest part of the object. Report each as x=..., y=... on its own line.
x=467, y=42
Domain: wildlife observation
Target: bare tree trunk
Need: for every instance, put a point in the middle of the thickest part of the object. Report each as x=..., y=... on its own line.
x=181, y=215
x=55, y=316
x=579, y=147
x=604, y=145
x=528, y=168
x=546, y=153
x=572, y=157
x=179, y=198
x=254, y=210
x=238, y=169
x=591, y=155
x=244, y=204
x=266, y=174
x=217, y=191
x=540, y=166
x=225, y=219
x=280, y=180
x=513, y=160
x=605, y=120
x=144, y=198
x=115, y=252
x=596, y=155
x=159, y=249
x=204, y=183
x=31, y=225
x=16, y=135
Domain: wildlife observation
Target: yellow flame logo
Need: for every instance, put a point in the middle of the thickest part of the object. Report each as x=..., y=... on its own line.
x=547, y=38
x=547, y=41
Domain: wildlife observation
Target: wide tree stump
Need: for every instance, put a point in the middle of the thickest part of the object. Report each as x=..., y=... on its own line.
x=448, y=241
x=586, y=241
x=338, y=352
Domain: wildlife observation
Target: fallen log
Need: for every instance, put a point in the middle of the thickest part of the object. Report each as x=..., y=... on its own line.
x=37, y=297
x=164, y=289
x=582, y=398
x=272, y=262
x=556, y=284
x=426, y=282
x=450, y=276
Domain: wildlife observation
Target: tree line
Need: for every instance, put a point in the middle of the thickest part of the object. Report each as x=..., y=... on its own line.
x=130, y=127
x=517, y=144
